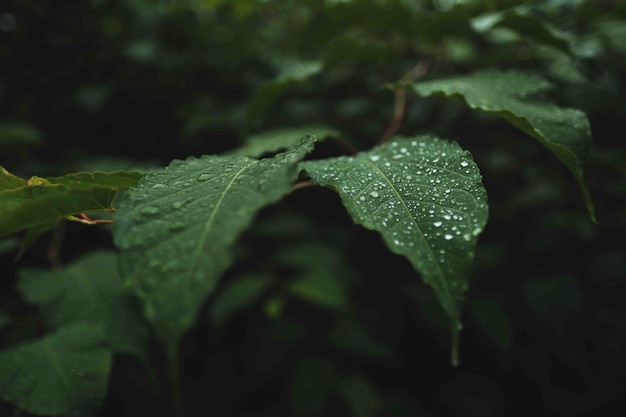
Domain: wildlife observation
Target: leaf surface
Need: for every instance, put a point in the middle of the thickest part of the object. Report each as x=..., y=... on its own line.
x=65, y=373
x=39, y=201
x=425, y=196
x=89, y=290
x=176, y=230
x=565, y=132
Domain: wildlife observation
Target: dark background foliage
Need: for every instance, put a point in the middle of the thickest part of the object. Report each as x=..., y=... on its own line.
x=135, y=84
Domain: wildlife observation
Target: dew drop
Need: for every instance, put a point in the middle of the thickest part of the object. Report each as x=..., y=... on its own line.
x=448, y=237
x=204, y=177
x=362, y=198
x=177, y=226
x=374, y=158
x=464, y=163
x=178, y=204
x=150, y=211
x=437, y=224
x=374, y=194
x=467, y=237
x=159, y=186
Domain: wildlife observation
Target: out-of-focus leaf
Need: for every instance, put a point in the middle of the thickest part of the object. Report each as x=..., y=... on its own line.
x=314, y=380
x=550, y=294
x=526, y=24
x=350, y=334
x=361, y=397
x=89, y=290
x=324, y=276
x=321, y=289
x=93, y=97
x=292, y=73
x=19, y=134
x=425, y=196
x=65, y=373
x=236, y=295
x=40, y=201
x=177, y=228
x=491, y=316
x=280, y=139
x=4, y=320
x=565, y=132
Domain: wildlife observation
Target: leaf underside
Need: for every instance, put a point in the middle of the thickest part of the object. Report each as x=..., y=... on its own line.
x=563, y=131
x=425, y=197
x=176, y=229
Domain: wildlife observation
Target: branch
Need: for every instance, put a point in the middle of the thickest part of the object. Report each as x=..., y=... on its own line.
x=399, y=111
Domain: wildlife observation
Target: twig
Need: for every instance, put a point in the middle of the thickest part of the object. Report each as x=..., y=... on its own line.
x=399, y=107
x=347, y=146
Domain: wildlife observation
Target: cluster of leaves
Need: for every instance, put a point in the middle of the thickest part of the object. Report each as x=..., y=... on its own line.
x=207, y=239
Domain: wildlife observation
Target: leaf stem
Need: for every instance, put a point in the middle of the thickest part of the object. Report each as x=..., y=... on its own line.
x=399, y=107
x=302, y=184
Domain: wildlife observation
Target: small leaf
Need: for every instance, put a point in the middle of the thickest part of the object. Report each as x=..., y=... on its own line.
x=492, y=317
x=236, y=295
x=425, y=196
x=293, y=72
x=320, y=289
x=90, y=290
x=176, y=230
x=565, y=132
x=13, y=133
x=361, y=397
x=280, y=139
x=40, y=201
x=313, y=382
x=351, y=335
x=65, y=373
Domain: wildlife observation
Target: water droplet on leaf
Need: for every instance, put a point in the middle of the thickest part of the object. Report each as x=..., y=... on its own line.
x=150, y=211
x=204, y=177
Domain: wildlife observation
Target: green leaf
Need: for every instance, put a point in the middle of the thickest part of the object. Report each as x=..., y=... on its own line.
x=280, y=139
x=565, y=132
x=552, y=294
x=19, y=134
x=492, y=317
x=176, y=230
x=293, y=72
x=89, y=290
x=425, y=196
x=236, y=295
x=521, y=20
x=361, y=397
x=40, y=201
x=313, y=382
x=65, y=373
x=323, y=276
x=351, y=335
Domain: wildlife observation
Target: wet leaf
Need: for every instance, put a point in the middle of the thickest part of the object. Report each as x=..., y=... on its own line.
x=425, y=196
x=65, y=373
x=89, y=290
x=176, y=229
x=565, y=132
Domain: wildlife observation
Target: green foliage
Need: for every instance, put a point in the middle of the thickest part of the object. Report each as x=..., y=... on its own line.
x=246, y=265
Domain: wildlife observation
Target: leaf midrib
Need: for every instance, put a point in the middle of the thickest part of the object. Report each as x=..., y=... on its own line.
x=208, y=224
x=410, y=215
